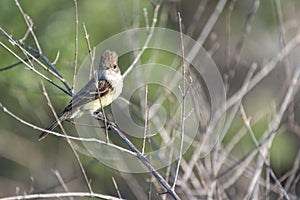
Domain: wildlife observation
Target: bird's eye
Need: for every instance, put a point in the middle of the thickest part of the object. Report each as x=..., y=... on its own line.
x=115, y=66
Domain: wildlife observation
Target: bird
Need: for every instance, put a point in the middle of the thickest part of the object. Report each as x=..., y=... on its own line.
x=101, y=90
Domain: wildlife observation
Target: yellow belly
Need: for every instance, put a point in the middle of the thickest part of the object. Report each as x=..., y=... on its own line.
x=96, y=105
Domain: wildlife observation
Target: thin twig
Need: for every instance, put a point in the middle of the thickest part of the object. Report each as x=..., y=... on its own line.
x=191, y=55
x=60, y=195
x=282, y=41
x=265, y=70
x=285, y=61
x=217, y=163
x=146, y=118
x=296, y=181
x=62, y=135
x=22, y=46
x=199, y=147
x=266, y=161
x=241, y=167
x=116, y=186
x=216, y=45
x=268, y=137
x=183, y=95
x=145, y=46
x=146, y=18
x=170, y=160
x=268, y=183
x=33, y=69
x=203, y=35
x=134, y=15
x=208, y=26
x=16, y=64
x=30, y=25
x=228, y=33
x=140, y=156
x=270, y=133
x=104, y=116
x=68, y=140
x=196, y=18
x=76, y=45
x=61, y=181
x=92, y=66
x=246, y=31
x=87, y=38
x=134, y=185
x=293, y=172
x=56, y=58
x=91, y=52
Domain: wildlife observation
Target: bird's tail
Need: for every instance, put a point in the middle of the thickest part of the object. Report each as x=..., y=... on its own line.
x=50, y=127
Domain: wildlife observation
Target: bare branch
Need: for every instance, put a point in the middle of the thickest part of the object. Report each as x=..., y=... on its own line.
x=183, y=95
x=154, y=20
x=62, y=182
x=22, y=46
x=62, y=135
x=60, y=195
x=30, y=26
x=76, y=44
x=68, y=140
x=146, y=118
x=116, y=186
x=140, y=156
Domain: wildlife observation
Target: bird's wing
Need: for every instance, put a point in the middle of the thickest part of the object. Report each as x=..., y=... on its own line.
x=90, y=92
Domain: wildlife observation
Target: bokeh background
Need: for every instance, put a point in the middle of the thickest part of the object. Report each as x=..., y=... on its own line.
x=27, y=165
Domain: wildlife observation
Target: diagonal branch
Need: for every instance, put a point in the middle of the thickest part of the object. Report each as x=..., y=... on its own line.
x=139, y=155
x=154, y=20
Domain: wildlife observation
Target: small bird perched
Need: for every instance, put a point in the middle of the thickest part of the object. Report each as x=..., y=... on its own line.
x=101, y=90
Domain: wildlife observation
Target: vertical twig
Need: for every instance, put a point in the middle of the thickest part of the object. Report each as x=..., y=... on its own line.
x=169, y=165
x=105, y=118
x=268, y=181
x=30, y=26
x=146, y=115
x=76, y=45
x=92, y=68
x=183, y=95
x=91, y=52
x=146, y=118
x=146, y=18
